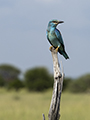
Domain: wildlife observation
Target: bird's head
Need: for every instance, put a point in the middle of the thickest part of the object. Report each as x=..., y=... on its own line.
x=54, y=23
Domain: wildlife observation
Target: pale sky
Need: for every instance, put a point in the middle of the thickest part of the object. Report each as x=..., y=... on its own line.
x=23, y=41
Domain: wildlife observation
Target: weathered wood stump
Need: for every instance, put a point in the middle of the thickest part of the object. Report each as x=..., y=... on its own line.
x=54, y=111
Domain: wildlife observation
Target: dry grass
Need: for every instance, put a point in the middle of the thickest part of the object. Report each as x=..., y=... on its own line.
x=25, y=105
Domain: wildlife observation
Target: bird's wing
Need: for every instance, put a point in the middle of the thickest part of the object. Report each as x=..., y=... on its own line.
x=59, y=36
x=48, y=38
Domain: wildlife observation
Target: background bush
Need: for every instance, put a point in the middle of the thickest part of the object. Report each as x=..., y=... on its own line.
x=82, y=84
x=2, y=82
x=9, y=72
x=15, y=84
x=66, y=83
x=38, y=79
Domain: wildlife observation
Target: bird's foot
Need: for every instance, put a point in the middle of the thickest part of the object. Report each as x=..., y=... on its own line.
x=50, y=47
x=57, y=49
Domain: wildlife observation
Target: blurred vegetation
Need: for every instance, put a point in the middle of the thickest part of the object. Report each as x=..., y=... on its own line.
x=9, y=72
x=15, y=84
x=2, y=82
x=81, y=84
x=67, y=81
x=39, y=79
x=30, y=105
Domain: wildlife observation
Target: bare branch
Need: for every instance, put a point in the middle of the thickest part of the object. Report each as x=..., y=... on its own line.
x=57, y=88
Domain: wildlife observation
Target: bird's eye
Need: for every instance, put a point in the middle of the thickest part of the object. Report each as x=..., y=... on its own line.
x=54, y=22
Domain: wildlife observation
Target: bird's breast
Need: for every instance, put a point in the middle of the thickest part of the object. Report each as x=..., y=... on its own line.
x=53, y=39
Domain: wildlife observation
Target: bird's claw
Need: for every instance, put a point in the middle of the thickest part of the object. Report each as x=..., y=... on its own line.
x=50, y=47
x=57, y=49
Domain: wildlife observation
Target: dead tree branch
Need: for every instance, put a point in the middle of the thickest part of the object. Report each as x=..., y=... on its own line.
x=57, y=88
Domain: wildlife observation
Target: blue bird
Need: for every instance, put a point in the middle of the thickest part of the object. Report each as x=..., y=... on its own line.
x=55, y=38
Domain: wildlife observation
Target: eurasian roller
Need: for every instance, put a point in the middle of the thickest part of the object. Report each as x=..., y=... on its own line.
x=55, y=38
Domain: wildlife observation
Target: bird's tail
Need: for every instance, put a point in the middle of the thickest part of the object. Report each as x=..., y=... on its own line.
x=65, y=55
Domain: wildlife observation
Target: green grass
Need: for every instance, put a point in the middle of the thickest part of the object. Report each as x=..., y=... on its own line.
x=25, y=105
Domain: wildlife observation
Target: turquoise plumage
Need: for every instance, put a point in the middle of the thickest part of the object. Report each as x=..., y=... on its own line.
x=55, y=38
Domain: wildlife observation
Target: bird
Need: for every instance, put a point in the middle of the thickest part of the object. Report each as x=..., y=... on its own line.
x=55, y=38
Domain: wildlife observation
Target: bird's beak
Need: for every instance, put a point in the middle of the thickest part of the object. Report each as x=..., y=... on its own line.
x=60, y=22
